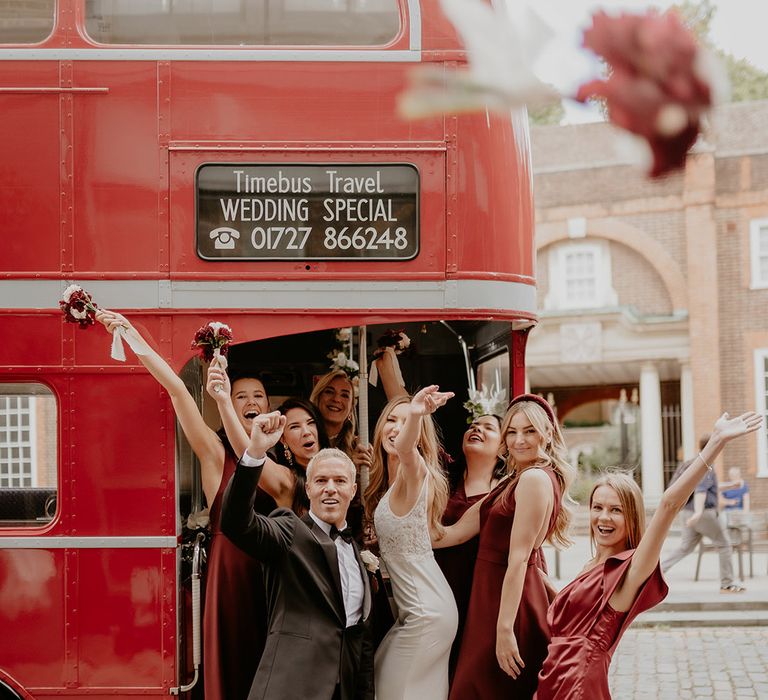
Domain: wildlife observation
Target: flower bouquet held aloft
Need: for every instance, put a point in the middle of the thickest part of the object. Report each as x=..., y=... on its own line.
x=78, y=306
x=213, y=341
x=392, y=343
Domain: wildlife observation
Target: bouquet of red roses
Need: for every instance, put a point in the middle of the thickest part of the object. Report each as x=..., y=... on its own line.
x=78, y=306
x=397, y=340
x=213, y=340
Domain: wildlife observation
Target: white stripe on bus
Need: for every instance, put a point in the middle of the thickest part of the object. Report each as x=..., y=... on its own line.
x=65, y=542
x=362, y=295
x=256, y=55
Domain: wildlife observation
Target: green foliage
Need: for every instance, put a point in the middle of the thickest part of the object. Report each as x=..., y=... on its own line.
x=747, y=81
x=547, y=115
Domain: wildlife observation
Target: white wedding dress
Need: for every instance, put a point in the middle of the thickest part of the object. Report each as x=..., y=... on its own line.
x=412, y=660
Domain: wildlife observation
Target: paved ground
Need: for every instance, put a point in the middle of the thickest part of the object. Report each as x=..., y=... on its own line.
x=722, y=663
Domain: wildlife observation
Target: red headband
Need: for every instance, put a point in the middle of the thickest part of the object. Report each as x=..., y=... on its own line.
x=534, y=398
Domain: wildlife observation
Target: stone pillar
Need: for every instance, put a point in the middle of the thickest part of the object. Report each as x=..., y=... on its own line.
x=687, y=412
x=703, y=297
x=652, y=453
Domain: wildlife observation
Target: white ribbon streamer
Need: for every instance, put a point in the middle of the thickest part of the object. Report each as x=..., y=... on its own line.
x=373, y=379
x=118, y=351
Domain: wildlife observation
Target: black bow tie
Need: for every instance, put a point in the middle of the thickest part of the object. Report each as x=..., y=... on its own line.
x=345, y=534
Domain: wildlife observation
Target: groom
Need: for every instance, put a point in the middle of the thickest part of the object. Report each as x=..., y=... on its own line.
x=319, y=645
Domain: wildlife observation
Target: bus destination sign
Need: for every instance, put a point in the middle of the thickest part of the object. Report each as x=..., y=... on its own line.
x=307, y=212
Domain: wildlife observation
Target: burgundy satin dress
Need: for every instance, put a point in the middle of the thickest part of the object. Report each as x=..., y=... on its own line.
x=235, y=613
x=586, y=630
x=458, y=563
x=478, y=675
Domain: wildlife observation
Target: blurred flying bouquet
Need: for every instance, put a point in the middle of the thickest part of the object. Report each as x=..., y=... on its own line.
x=660, y=81
x=78, y=306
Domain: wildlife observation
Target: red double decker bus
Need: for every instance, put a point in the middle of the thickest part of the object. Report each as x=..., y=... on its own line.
x=245, y=163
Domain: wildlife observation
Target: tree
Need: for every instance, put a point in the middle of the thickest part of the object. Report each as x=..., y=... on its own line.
x=546, y=115
x=747, y=81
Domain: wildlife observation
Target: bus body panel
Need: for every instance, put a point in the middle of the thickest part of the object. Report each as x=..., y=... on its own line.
x=101, y=145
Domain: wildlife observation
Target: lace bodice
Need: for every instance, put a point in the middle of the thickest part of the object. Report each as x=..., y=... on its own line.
x=406, y=535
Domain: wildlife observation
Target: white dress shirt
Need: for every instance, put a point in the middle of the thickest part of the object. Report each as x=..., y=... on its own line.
x=352, y=586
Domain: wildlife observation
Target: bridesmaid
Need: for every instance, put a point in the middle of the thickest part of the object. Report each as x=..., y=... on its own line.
x=234, y=613
x=406, y=496
x=304, y=436
x=509, y=586
x=470, y=479
x=334, y=397
x=589, y=616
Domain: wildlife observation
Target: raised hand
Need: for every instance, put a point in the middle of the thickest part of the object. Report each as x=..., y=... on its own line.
x=429, y=399
x=218, y=385
x=112, y=320
x=265, y=432
x=727, y=428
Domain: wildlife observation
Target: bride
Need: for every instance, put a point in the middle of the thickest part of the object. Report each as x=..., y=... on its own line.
x=406, y=495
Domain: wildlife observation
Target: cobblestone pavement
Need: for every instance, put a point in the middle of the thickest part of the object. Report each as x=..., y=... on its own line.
x=691, y=663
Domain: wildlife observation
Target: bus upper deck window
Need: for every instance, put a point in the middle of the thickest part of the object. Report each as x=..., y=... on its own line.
x=28, y=462
x=243, y=22
x=25, y=22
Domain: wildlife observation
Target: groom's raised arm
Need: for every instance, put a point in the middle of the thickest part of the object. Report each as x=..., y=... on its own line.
x=256, y=534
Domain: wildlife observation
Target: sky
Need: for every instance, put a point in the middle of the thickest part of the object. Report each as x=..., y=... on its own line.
x=738, y=27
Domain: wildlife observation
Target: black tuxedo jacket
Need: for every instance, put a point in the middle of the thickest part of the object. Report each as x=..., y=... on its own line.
x=309, y=649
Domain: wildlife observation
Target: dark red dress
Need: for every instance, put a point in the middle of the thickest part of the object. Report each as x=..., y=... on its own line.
x=458, y=563
x=586, y=630
x=235, y=613
x=478, y=674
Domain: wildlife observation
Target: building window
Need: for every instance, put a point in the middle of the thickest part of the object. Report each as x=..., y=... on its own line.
x=761, y=395
x=758, y=253
x=28, y=455
x=580, y=277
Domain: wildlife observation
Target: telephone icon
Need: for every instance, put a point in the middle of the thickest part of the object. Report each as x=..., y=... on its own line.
x=224, y=238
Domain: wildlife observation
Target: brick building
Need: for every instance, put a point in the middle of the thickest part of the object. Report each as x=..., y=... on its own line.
x=654, y=294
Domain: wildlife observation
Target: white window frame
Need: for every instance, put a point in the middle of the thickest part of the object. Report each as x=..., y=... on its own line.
x=605, y=295
x=761, y=403
x=756, y=226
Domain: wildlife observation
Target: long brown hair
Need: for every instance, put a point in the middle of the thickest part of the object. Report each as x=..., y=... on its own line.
x=429, y=449
x=347, y=436
x=554, y=454
x=632, y=506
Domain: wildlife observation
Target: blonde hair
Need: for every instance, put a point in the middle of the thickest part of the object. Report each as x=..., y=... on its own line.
x=553, y=454
x=429, y=449
x=632, y=506
x=345, y=440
